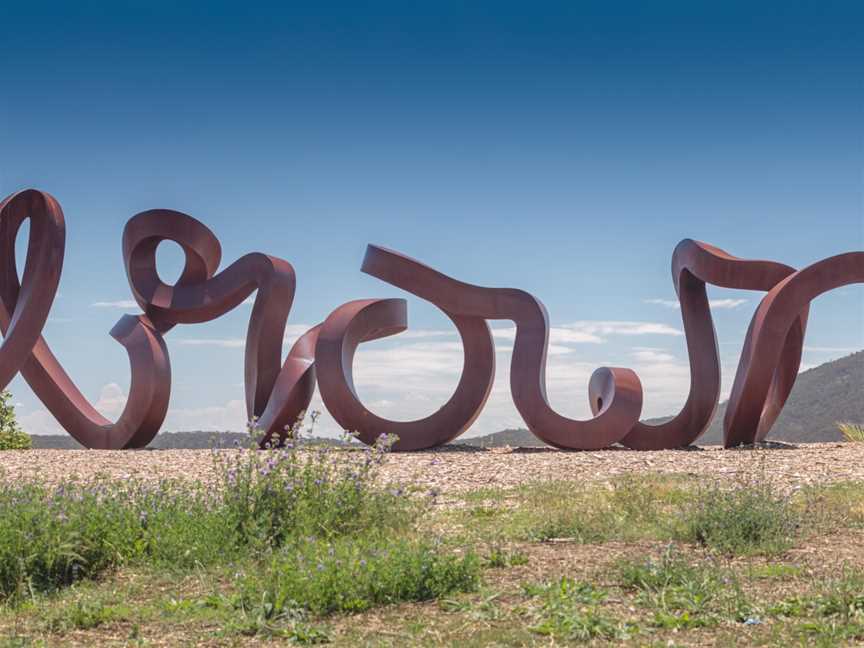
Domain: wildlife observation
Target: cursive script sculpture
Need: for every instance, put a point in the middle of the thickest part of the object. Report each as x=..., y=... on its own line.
x=278, y=393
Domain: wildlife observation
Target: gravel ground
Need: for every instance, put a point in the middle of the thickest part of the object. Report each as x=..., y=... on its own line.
x=453, y=469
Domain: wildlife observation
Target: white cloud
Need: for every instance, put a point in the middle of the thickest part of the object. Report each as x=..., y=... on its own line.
x=551, y=349
x=124, y=304
x=427, y=333
x=111, y=401
x=110, y=404
x=225, y=343
x=593, y=331
x=668, y=303
x=39, y=421
x=292, y=333
x=652, y=355
x=613, y=327
x=557, y=335
x=713, y=303
x=583, y=332
x=408, y=377
x=726, y=303
x=212, y=418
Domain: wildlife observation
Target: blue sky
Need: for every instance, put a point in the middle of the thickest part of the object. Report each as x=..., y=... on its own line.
x=563, y=148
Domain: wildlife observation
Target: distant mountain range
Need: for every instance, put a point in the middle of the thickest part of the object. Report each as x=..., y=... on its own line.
x=822, y=396
x=165, y=440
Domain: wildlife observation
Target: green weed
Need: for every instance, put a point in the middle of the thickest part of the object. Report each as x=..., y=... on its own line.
x=570, y=611
x=354, y=574
x=684, y=595
x=748, y=518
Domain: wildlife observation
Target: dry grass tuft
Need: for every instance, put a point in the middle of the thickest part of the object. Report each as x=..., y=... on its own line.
x=852, y=432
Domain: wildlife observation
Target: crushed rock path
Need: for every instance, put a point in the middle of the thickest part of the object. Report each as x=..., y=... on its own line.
x=454, y=469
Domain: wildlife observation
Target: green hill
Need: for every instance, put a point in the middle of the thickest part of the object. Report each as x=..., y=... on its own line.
x=822, y=396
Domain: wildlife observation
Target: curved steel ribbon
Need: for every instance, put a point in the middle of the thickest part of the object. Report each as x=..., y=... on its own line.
x=276, y=393
x=754, y=404
x=468, y=306
x=368, y=319
x=24, y=307
x=695, y=264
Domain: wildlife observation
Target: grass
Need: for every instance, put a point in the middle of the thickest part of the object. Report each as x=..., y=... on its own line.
x=751, y=517
x=570, y=610
x=838, y=597
x=627, y=508
x=831, y=613
x=352, y=575
x=309, y=546
x=683, y=595
x=748, y=517
x=301, y=533
x=50, y=538
x=499, y=556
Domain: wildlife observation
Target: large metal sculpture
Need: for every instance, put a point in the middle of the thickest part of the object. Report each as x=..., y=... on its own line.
x=764, y=375
x=695, y=264
x=24, y=309
x=278, y=393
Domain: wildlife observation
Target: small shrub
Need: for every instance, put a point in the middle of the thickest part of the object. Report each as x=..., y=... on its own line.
x=276, y=494
x=12, y=437
x=831, y=614
x=179, y=525
x=354, y=574
x=844, y=597
x=831, y=633
x=774, y=571
x=748, y=518
x=52, y=537
x=566, y=590
x=684, y=595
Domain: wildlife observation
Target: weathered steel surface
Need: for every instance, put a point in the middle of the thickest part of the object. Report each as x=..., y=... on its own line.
x=278, y=393
x=695, y=264
x=368, y=319
x=623, y=394
x=23, y=311
x=764, y=375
